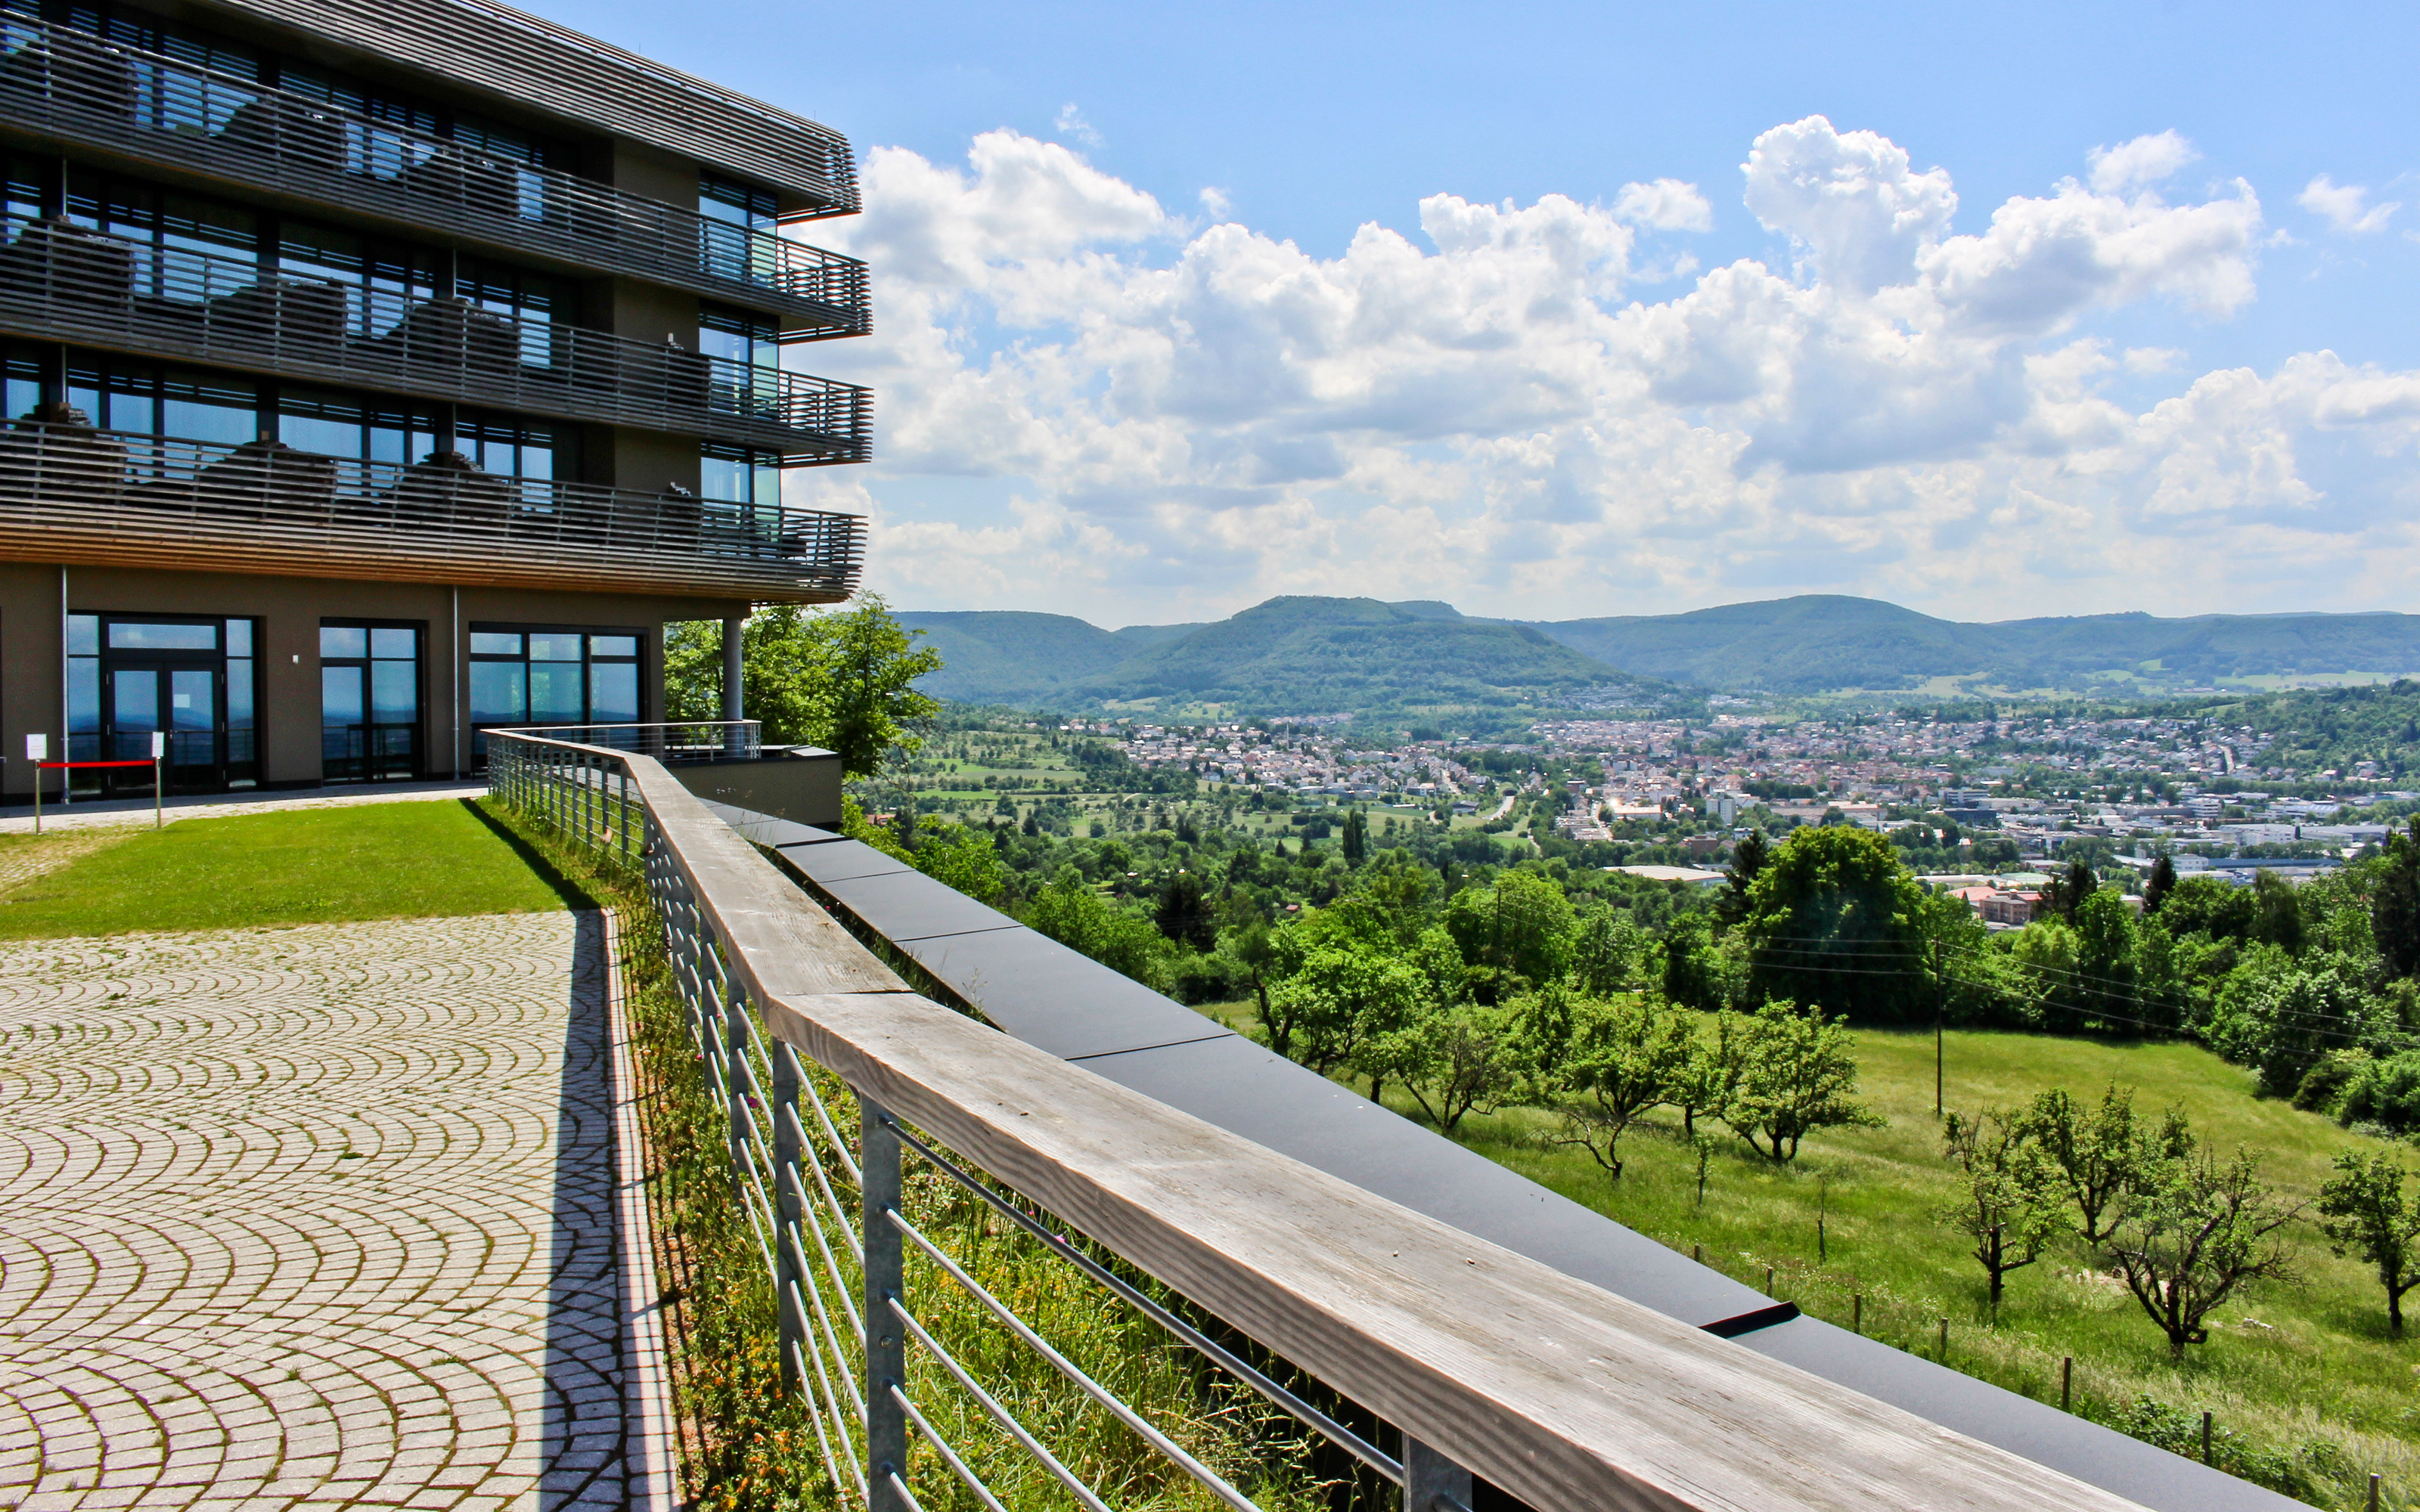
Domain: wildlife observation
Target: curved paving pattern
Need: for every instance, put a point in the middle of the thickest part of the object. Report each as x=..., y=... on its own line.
x=317, y=1216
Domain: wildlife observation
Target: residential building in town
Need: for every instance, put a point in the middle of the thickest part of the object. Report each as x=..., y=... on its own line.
x=377, y=373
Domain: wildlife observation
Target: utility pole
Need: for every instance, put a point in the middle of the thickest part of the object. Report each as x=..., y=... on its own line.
x=1940, y=1010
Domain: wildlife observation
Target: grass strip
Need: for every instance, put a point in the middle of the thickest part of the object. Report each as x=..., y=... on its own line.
x=421, y=859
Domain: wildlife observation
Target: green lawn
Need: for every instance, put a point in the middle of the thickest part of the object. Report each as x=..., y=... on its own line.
x=2289, y=1366
x=417, y=860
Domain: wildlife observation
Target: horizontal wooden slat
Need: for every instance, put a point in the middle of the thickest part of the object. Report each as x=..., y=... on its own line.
x=71, y=494
x=538, y=65
x=1561, y=1393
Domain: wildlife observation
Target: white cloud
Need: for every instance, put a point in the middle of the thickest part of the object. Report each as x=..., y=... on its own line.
x=1071, y=122
x=2138, y=165
x=1215, y=203
x=1666, y=204
x=2342, y=205
x=1090, y=405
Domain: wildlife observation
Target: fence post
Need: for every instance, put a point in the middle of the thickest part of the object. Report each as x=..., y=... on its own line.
x=790, y=1200
x=1432, y=1483
x=886, y=1362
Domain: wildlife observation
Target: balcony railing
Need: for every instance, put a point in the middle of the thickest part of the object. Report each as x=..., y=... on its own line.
x=73, y=493
x=71, y=85
x=67, y=283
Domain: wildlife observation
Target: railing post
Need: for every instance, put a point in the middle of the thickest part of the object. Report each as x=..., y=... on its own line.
x=1432, y=1483
x=886, y=1360
x=742, y=1081
x=790, y=1203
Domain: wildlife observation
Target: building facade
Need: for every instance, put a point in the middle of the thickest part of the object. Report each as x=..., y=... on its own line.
x=380, y=372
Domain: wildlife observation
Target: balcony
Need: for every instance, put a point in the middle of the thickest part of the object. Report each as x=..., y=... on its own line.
x=62, y=282
x=61, y=86
x=70, y=493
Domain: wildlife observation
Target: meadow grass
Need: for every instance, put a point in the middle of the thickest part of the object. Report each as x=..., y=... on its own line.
x=410, y=859
x=2309, y=1391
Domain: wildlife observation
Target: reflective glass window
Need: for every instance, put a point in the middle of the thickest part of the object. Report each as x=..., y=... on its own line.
x=499, y=692
x=84, y=635
x=238, y=638
x=125, y=636
x=344, y=641
x=494, y=643
x=614, y=692
x=613, y=645
x=554, y=647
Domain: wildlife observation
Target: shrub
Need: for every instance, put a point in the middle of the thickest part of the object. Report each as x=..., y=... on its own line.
x=2384, y=1092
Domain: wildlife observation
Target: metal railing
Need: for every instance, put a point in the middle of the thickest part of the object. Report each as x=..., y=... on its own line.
x=65, y=282
x=673, y=742
x=1485, y=1362
x=71, y=493
x=69, y=84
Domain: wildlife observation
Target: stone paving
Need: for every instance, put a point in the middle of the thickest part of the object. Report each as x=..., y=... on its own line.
x=320, y=1216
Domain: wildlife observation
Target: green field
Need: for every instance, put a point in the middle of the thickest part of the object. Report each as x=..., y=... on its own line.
x=2289, y=1366
x=389, y=860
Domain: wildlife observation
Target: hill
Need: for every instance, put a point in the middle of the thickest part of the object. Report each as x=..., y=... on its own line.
x=1303, y=655
x=1820, y=643
x=1306, y=654
x=1289, y=656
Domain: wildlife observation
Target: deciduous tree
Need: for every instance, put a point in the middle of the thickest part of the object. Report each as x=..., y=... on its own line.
x=2365, y=1214
x=2193, y=1233
x=1624, y=1057
x=2098, y=1152
x=2010, y=1198
x=1795, y=1074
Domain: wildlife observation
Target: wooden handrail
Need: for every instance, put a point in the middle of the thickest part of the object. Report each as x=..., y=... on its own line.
x=1559, y=1392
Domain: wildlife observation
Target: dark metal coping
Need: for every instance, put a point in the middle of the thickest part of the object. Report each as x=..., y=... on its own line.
x=1053, y=997
x=535, y=64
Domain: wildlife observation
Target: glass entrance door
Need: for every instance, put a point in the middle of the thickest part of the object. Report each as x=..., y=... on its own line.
x=369, y=702
x=132, y=675
x=183, y=702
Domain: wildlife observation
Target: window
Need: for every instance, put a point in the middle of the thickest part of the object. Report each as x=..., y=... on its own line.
x=23, y=394
x=542, y=675
x=369, y=700
x=186, y=249
x=530, y=298
x=740, y=475
x=385, y=433
x=175, y=403
x=747, y=380
x=382, y=283
x=733, y=211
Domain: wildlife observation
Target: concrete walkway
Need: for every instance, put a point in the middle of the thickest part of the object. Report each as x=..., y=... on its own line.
x=320, y=1216
x=19, y=818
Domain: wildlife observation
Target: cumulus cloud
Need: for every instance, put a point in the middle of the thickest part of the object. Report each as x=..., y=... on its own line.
x=1093, y=406
x=2138, y=165
x=2344, y=207
x=1666, y=204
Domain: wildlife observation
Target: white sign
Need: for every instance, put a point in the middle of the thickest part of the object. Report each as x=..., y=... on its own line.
x=159, y=743
x=37, y=748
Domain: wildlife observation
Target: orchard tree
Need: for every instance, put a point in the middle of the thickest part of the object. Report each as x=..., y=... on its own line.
x=2010, y=1200
x=1624, y=1057
x=1795, y=1074
x=1345, y=995
x=2193, y=1233
x=2098, y=1152
x=1520, y=927
x=1453, y=1060
x=2365, y=1214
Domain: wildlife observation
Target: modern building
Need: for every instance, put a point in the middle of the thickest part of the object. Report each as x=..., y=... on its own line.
x=379, y=372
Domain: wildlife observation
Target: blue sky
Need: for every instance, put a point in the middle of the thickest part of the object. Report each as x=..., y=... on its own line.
x=1097, y=400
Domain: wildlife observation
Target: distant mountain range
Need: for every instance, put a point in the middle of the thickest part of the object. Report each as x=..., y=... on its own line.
x=1331, y=654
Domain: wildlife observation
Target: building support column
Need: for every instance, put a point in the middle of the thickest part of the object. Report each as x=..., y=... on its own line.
x=734, y=703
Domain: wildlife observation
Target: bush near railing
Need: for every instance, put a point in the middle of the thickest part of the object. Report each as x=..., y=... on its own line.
x=747, y=1443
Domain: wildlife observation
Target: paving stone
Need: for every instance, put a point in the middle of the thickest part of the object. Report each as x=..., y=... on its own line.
x=309, y=1217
